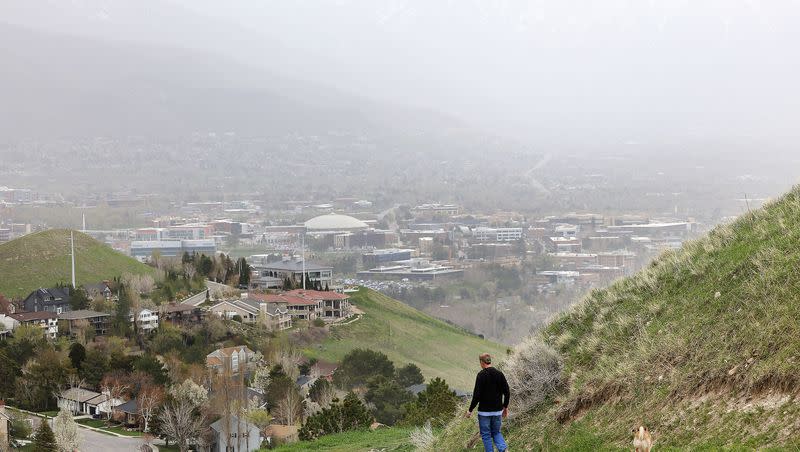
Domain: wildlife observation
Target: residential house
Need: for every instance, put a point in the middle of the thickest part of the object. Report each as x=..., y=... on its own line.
x=181, y=314
x=235, y=435
x=299, y=308
x=101, y=289
x=332, y=305
x=46, y=320
x=72, y=320
x=84, y=401
x=324, y=370
x=304, y=383
x=229, y=309
x=236, y=358
x=144, y=320
x=273, y=315
x=7, y=325
x=127, y=413
x=55, y=299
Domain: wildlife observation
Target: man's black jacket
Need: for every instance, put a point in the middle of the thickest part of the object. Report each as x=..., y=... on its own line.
x=491, y=391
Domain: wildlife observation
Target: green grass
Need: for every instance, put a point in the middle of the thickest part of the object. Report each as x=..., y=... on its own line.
x=703, y=347
x=406, y=335
x=388, y=440
x=101, y=424
x=42, y=260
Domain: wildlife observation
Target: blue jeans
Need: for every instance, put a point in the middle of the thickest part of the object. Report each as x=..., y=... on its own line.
x=490, y=430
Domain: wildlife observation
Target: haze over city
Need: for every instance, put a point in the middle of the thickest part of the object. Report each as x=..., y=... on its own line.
x=232, y=220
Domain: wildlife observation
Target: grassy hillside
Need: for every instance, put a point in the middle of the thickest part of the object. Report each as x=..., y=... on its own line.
x=393, y=439
x=703, y=347
x=406, y=335
x=42, y=260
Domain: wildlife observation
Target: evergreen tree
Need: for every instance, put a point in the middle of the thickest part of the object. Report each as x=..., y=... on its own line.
x=409, y=375
x=437, y=404
x=339, y=417
x=388, y=398
x=244, y=271
x=121, y=324
x=360, y=365
x=78, y=299
x=45, y=440
x=77, y=353
x=94, y=367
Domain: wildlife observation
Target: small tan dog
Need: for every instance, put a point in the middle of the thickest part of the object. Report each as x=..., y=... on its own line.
x=642, y=441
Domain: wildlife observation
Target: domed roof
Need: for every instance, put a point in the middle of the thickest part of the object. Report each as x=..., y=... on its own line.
x=334, y=221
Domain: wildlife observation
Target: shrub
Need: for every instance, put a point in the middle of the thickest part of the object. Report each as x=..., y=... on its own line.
x=535, y=372
x=422, y=437
x=348, y=415
x=436, y=404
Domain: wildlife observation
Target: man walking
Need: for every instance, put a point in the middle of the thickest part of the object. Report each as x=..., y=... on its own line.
x=491, y=396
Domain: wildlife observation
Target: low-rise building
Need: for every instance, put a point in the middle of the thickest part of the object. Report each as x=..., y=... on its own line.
x=7, y=325
x=144, y=320
x=273, y=315
x=55, y=299
x=235, y=435
x=299, y=308
x=181, y=314
x=72, y=321
x=84, y=401
x=144, y=249
x=272, y=275
x=46, y=320
x=331, y=305
x=238, y=358
x=484, y=234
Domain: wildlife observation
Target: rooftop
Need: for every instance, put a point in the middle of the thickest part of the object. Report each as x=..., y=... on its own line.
x=335, y=222
x=81, y=314
x=29, y=316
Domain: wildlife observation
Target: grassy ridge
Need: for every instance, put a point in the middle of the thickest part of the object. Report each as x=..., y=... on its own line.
x=393, y=439
x=406, y=335
x=703, y=347
x=42, y=260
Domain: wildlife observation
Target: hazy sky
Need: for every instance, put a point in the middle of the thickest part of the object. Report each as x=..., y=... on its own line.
x=624, y=70
x=554, y=71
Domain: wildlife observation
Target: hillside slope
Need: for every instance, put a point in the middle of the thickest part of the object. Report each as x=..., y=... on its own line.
x=406, y=335
x=703, y=347
x=42, y=260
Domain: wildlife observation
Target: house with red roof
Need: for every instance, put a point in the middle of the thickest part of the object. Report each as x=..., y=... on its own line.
x=332, y=305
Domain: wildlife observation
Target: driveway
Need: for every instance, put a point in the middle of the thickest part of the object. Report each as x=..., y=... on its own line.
x=95, y=441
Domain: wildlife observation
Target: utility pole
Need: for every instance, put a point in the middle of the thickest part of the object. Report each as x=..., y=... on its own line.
x=303, y=256
x=72, y=255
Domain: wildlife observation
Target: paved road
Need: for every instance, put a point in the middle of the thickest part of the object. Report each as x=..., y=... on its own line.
x=95, y=441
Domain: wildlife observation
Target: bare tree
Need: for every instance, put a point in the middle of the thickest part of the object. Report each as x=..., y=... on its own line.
x=288, y=359
x=189, y=270
x=180, y=422
x=290, y=408
x=150, y=398
x=114, y=385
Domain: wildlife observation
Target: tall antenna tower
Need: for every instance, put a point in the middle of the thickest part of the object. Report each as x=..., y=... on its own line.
x=72, y=255
x=84, y=222
x=303, y=256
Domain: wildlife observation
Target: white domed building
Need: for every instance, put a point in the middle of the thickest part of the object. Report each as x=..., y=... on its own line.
x=339, y=231
x=334, y=222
